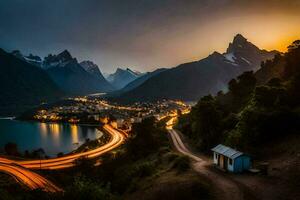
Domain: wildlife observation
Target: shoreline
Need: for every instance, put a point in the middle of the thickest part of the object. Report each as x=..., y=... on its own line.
x=8, y=118
x=49, y=122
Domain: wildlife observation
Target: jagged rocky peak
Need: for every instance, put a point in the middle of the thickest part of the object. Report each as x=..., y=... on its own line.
x=215, y=54
x=58, y=60
x=239, y=38
x=91, y=67
x=240, y=43
x=65, y=56
x=34, y=58
x=119, y=70
x=134, y=72
x=87, y=65
x=122, y=77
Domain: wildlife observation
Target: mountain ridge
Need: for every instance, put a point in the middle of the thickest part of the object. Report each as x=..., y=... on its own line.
x=72, y=77
x=23, y=85
x=121, y=77
x=190, y=81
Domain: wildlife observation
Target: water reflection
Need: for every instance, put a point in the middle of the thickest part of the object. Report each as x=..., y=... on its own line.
x=74, y=134
x=54, y=131
x=43, y=129
x=52, y=137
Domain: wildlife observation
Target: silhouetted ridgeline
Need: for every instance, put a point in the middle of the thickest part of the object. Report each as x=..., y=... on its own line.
x=23, y=85
x=258, y=108
x=190, y=81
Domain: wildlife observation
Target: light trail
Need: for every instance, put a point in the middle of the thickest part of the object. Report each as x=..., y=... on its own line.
x=30, y=179
x=19, y=169
x=67, y=161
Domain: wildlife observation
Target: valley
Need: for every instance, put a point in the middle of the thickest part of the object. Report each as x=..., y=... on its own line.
x=149, y=100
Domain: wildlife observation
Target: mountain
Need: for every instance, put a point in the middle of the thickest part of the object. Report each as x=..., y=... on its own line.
x=134, y=84
x=94, y=70
x=71, y=76
x=122, y=77
x=23, y=85
x=91, y=67
x=246, y=54
x=140, y=80
x=35, y=60
x=190, y=81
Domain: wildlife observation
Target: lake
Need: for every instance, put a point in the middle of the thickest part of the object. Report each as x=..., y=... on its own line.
x=52, y=137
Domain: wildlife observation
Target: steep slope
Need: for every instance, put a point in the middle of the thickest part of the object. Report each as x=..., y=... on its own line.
x=94, y=70
x=271, y=69
x=246, y=54
x=23, y=85
x=190, y=81
x=71, y=76
x=137, y=82
x=91, y=67
x=32, y=59
x=122, y=77
x=134, y=84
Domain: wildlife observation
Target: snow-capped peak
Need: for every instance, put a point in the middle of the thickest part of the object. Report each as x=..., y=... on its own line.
x=35, y=60
x=230, y=57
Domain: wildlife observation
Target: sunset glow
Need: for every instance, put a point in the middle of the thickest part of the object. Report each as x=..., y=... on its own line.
x=150, y=35
x=149, y=99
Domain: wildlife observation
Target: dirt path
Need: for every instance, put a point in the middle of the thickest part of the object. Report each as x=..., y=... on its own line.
x=227, y=188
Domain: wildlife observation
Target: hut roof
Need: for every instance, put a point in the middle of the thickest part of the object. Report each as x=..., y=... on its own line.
x=227, y=151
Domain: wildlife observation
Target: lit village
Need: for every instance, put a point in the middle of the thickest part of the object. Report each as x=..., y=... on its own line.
x=87, y=110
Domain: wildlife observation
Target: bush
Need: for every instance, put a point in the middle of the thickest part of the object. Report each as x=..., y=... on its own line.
x=11, y=149
x=257, y=126
x=146, y=138
x=83, y=188
x=182, y=163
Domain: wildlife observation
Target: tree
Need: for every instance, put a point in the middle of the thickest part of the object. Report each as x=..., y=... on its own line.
x=246, y=83
x=274, y=82
x=146, y=138
x=206, y=123
x=39, y=153
x=294, y=45
x=11, y=149
x=267, y=96
x=292, y=66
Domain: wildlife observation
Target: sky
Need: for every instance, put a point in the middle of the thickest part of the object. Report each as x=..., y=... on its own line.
x=144, y=34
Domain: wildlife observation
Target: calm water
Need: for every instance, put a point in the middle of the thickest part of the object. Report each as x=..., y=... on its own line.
x=52, y=137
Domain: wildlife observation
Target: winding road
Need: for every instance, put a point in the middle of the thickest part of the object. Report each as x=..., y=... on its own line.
x=20, y=169
x=227, y=188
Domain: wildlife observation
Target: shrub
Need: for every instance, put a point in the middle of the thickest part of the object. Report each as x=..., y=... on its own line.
x=182, y=163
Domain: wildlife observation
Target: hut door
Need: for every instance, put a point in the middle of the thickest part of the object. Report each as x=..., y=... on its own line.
x=225, y=163
x=222, y=161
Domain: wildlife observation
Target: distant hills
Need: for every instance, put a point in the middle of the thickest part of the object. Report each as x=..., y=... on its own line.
x=122, y=77
x=192, y=80
x=140, y=80
x=135, y=83
x=23, y=84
